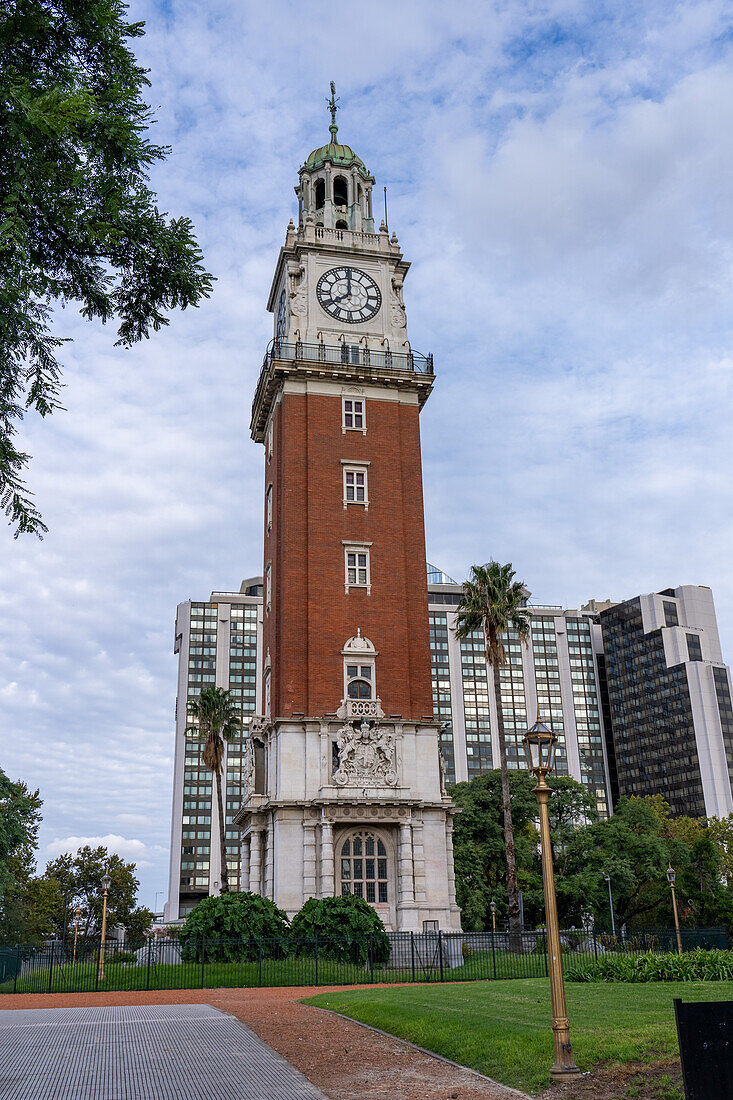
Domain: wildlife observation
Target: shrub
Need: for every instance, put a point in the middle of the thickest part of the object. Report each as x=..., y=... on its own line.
x=345, y=928
x=693, y=966
x=234, y=926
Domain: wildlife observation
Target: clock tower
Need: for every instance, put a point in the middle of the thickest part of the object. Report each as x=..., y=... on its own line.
x=345, y=791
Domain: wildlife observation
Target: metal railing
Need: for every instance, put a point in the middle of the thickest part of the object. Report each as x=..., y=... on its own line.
x=174, y=963
x=353, y=354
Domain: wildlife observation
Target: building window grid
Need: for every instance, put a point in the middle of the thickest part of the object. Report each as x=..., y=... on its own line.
x=357, y=568
x=586, y=706
x=197, y=789
x=725, y=709
x=547, y=678
x=441, y=690
x=476, y=704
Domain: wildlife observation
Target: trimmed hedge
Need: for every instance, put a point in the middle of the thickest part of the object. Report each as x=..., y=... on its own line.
x=346, y=928
x=236, y=926
x=693, y=966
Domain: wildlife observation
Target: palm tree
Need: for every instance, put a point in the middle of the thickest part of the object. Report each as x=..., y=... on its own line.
x=217, y=721
x=494, y=602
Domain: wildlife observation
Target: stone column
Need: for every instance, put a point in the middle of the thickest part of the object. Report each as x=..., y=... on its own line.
x=326, y=885
x=255, y=861
x=244, y=860
x=369, y=202
x=455, y=911
x=309, y=860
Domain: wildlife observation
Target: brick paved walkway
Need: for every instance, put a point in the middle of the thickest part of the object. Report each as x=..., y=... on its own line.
x=166, y=1052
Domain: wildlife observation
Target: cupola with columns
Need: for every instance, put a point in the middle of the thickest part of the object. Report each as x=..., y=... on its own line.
x=335, y=188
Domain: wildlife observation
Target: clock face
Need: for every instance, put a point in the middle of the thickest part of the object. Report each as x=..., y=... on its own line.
x=349, y=294
x=281, y=317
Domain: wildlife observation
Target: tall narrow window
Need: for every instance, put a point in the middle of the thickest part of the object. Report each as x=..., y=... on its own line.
x=269, y=443
x=357, y=575
x=353, y=414
x=269, y=507
x=268, y=586
x=355, y=485
x=320, y=194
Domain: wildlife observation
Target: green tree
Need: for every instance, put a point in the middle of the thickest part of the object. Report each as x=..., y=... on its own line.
x=235, y=926
x=344, y=928
x=20, y=818
x=78, y=221
x=75, y=882
x=216, y=721
x=493, y=603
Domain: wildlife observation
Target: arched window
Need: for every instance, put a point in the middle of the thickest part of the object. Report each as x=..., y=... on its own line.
x=320, y=194
x=340, y=191
x=359, y=680
x=359, y=689
x=341, y=224
x=363, y=867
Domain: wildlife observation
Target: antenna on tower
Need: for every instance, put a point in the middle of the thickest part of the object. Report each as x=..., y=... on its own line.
x=333, y=106
x=386, y=222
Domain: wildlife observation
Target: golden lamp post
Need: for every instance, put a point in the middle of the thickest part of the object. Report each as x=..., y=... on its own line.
x=539, y=746
x=670, y=879
x=106, y=883
x=492, y=906
x=77, y=914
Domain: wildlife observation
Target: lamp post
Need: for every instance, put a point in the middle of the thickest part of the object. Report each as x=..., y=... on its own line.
x=492, y=906
x=670, y=879
x=610, y=902
x=539, y=747
x=77, y=914
x=106, y=883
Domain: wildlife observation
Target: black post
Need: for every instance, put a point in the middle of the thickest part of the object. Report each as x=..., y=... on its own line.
x=544, y=951
x=595, y=944
x=316, y=958
x=371, y=959
x=150, y=951
x=259, y=968
x=18, y=964
x=203, y=959
x=50, y=971
x=412, y=953
x=493, y=951
x=440, y=952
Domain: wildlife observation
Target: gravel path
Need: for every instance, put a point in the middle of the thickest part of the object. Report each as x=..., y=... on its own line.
x=344, y=1059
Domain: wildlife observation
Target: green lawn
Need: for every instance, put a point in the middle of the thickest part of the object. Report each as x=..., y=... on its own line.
x=503, y=1028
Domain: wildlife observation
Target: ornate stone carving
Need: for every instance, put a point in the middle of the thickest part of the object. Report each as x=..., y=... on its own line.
x=248, y=768
x=366, y=756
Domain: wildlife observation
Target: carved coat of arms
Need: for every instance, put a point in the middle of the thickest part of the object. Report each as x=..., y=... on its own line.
x=366, y=756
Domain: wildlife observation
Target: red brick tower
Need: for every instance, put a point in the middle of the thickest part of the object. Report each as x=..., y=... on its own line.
x=349, y=796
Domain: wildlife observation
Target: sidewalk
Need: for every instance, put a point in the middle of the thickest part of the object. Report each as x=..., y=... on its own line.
x=176, y=1052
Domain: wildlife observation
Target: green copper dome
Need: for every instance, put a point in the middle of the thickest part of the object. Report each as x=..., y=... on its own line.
x=341, y=155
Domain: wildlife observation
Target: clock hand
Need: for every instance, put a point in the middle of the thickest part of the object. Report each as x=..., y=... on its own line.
x=348, y=281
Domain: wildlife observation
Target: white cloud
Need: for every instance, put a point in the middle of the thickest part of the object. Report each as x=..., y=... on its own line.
x=127, y=849
x=559, y=183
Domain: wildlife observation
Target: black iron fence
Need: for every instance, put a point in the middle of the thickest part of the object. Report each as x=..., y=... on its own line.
x=245, y=962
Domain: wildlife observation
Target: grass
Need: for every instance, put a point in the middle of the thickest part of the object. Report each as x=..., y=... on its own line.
x=503, y=1030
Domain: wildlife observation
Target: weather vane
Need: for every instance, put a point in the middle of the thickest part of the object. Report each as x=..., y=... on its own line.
x=333, y=106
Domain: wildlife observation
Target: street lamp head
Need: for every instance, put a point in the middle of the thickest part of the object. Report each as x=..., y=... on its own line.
x=539, y=748
x=606, y=876
x=492, y=905
x=670, y=875
x=106, y=882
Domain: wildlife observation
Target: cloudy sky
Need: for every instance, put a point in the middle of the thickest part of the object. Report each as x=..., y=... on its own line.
x=559, y=174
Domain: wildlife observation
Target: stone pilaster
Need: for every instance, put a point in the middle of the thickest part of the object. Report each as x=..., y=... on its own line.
x=327, y=888
x=255, y=865
x=418, y=854
x=244, y=865
x=309, y=860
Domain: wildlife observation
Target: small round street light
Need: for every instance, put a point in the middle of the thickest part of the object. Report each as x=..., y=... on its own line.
x=106, y=883
x=671, y=876
x=492, y=906
x=539, y=746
